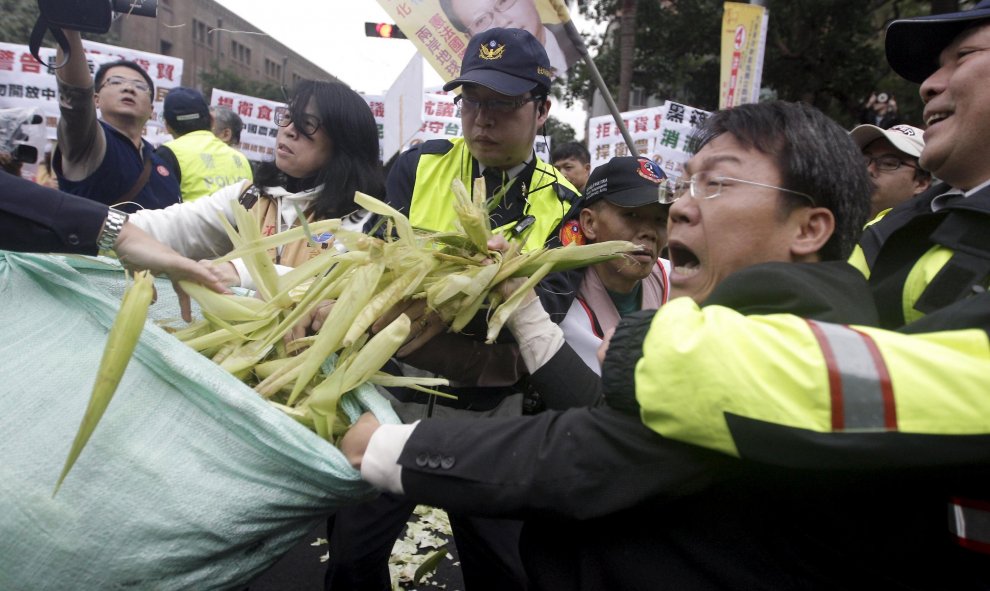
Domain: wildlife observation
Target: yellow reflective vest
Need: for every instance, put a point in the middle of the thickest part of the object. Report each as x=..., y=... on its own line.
x=206, y=164
x=918, y=261
x=727, y=371
x=548, y=194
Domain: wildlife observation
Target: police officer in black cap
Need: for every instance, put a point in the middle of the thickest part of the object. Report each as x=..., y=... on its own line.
x=504, y=84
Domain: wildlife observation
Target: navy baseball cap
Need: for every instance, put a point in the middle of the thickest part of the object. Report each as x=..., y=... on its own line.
x=913, y=44
x=509, y=61
x=625, y=181
x=186, y=105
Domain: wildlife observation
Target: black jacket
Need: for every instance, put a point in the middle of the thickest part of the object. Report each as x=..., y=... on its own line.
x=38, y=219
x=610, y=504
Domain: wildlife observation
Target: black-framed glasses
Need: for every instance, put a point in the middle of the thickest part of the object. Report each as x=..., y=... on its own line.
x=706, y=185
x=485, y=20
x=886, y=163
x=308, y=124
x=504, y=106
x=118, y=81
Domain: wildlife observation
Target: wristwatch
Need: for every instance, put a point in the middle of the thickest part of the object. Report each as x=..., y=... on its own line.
x=111, y=229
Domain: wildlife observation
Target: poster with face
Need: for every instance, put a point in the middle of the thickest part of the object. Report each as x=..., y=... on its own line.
x=440, y=29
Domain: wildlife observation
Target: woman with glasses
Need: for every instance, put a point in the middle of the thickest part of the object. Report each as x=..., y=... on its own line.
x=326, y=149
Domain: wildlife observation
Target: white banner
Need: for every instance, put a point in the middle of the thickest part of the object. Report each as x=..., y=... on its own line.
x=376, y=102
x=664, y=134
x=258, y=115
x=404, y=107
x=24, y=83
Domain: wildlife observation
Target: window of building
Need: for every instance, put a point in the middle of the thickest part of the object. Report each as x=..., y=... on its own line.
x=202, y=33
x=273, y=69
x=240, y=52
x=165, y=47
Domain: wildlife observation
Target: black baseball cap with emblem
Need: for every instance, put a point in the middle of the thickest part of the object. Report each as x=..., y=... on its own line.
x=509, y=61
x=186, y=105
x=913, y=45
x=625, y=181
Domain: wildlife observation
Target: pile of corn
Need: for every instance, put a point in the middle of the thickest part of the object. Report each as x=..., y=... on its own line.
x=454, y=272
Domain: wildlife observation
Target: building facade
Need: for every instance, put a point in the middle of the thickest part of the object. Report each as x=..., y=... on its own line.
x=206, y=36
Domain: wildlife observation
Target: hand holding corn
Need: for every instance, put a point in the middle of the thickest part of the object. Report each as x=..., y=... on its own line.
x=137, y=251
x=444, y=278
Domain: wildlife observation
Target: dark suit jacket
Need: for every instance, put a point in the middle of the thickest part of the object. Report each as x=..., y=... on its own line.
x=583, y=462
x=38, y=219
x=611, y=505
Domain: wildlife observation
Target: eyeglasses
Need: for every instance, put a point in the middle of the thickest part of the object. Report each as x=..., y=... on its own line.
x=503, y=106
x=886, y=163
x=484, y=22
x=115, y=81
x=705, y=185
x=308, y=125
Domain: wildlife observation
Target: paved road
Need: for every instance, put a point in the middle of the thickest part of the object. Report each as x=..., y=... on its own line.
x=302, y=569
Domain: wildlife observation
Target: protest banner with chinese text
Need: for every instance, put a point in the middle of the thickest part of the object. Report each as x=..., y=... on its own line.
x=26, y=83
x=744, y=40
x=258, y=115
x=665, y=134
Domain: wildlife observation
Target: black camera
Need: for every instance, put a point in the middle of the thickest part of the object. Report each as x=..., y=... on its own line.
x=92, y=16
x=22, y=134
x=88, y=16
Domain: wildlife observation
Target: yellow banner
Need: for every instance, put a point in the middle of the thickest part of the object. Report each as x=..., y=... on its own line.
x=441, y=30
x=744, y=39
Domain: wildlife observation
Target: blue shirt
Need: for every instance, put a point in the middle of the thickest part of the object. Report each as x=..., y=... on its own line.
x=120, y=169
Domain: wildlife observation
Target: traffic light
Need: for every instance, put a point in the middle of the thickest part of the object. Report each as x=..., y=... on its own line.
x=384, y=30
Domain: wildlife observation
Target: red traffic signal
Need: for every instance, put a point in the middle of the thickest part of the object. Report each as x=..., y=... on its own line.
x=384, y=30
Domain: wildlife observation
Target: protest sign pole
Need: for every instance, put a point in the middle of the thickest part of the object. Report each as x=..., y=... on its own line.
x=572, y=33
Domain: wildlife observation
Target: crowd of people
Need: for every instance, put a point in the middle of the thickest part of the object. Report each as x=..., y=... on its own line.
x=783, y=388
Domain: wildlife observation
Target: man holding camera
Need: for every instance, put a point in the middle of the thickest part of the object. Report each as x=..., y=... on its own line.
x=108, y=161
x=880, y=110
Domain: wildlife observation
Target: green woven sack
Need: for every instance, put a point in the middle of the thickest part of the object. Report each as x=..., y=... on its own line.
x=191, y=480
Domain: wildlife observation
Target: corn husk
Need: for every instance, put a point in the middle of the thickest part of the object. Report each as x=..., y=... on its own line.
x=117, y=353
x=453, y=272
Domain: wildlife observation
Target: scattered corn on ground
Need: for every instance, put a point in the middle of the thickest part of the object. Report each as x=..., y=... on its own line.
x=454, y=272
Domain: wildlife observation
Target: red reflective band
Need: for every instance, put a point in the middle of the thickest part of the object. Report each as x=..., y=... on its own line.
x=861, y=394
x=834, y=377
x=665, y=283
x=969, y=522
x=592, y=319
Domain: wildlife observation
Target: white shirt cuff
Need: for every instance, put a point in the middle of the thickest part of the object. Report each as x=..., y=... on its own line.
x=538, y=337
x=380, y=465
x=242, y=272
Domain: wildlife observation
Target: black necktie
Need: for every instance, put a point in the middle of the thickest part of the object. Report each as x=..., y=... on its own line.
x=493, y=181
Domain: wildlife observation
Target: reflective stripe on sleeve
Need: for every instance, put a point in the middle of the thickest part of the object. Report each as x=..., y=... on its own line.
x=861, y=393
x=969, y=522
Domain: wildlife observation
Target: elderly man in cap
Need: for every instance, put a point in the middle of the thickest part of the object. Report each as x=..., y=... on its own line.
x=892, y=159
x=620, y=203
x=933, y=251
x=504, y=82
x=200, y=161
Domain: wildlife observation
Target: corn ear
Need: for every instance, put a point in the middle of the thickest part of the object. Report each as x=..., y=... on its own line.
x=328, y=339
x=357, y=368
x=225, y=306
x=402, y=226
x=472, y=216
x=509, y=306
x=121, y=341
